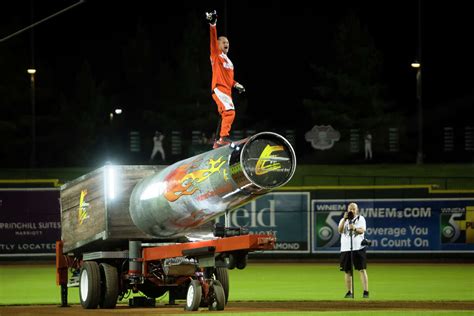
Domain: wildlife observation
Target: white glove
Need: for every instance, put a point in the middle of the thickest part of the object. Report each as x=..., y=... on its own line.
x=239, y=87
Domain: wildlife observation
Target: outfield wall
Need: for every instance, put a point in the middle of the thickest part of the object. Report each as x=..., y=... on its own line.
x=30, y=222
x=400, y=219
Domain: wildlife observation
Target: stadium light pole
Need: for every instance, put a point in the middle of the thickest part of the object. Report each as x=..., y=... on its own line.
x=418, y=66
x=32, y=73
x=419, y=154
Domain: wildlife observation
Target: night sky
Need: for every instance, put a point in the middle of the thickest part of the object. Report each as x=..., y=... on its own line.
x=272, y=44
x=271, y=41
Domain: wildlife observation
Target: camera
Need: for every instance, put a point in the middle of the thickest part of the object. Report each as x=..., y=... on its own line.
x=350, y=215
x=366, y=242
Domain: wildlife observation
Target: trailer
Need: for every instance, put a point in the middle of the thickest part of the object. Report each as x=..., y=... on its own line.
x=152, y=230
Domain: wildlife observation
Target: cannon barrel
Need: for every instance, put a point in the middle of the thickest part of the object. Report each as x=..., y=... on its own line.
x=192, y=192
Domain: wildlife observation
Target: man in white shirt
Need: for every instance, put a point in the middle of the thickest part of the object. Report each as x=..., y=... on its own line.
x=352, y=227
x=158, y=146
x=368, y=145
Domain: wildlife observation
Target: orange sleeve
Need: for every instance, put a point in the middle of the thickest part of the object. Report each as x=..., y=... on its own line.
x=214, y=43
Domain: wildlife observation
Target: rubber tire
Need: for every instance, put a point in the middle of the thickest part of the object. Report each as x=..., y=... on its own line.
x=231, y=261
x=241, y=261
x=217, y=298
x=89, y=285
x=193, y=296
x=109, y=286
x=222, y=275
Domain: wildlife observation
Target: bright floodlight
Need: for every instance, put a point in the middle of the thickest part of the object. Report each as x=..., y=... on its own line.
x=110, y=181
x=31, y=71
x=415, y=64
x=118, y=111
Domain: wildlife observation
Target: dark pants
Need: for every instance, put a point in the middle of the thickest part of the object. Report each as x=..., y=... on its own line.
x=360, y=260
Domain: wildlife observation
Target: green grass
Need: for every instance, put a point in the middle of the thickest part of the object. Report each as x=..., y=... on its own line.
x=22, y=284
x=63, y=174
x=369, y=312
x=445, y=176
x=28, y=285
x=403, y=170
x=326, y=282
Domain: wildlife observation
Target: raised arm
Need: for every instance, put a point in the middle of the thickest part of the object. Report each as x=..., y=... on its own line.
x=214, y=42
x=212, y=18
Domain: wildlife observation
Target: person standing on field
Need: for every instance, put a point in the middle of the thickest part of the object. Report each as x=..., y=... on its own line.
x=353, y=254
x=158, y=146
x=368, y=145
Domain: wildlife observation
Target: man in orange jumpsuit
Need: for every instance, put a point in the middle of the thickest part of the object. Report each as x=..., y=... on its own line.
x=222, y=81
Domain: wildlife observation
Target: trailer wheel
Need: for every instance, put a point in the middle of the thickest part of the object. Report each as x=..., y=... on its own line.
x=193, y=298
x=217, y=297
x=231, y=261
x=222, y=275
x=89, y=285
x=242, y=261
x=109, y=286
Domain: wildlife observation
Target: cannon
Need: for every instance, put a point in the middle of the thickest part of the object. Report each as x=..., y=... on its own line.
x=192, y=192
x=150, y=229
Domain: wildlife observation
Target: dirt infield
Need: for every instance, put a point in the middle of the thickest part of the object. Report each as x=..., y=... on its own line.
x=246, y=307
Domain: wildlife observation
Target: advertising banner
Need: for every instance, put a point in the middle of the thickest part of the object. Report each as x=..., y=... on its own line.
x=400, y=225
x=30, y=221
x=284, y=214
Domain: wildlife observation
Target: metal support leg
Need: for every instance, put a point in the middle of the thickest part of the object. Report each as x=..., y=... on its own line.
x=64, y=295
x=171, y=298
x=227, y=218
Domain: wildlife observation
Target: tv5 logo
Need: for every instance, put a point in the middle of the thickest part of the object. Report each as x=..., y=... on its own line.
x=458, y=227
